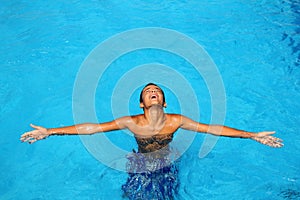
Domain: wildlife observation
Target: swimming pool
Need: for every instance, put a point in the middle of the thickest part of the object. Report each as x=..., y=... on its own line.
x=255, y=46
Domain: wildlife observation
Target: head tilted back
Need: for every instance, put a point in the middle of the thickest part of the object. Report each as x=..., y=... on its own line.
x=141, y=95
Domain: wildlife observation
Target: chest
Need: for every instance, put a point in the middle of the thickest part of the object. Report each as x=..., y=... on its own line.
x=144, y=129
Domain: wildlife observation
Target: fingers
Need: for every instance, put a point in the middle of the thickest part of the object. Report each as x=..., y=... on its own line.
x=276, y=139
x=278, y=142
x=32, y=140
x=269, y=132
x=270, y=141
x=274, y=143
x=25, y=135
x=34, y=126
x=28, y=139
x=32, y=136
x=265, y=133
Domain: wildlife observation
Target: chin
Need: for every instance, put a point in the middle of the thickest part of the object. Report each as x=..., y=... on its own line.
x=156, y=104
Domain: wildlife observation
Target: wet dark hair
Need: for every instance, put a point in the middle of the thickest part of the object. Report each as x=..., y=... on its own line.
x=141, y=95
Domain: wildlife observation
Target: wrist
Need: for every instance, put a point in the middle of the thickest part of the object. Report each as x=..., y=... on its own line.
x=251, y=135
x=50, y=131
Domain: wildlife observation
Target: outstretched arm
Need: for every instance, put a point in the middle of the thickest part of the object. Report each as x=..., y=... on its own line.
x=219, y=130
x=80, y=129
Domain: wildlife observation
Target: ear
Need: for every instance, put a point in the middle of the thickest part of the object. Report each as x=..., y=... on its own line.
x=165, y=105
x=142, y=105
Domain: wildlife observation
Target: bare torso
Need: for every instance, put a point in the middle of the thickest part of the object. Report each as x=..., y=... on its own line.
x=156, y=123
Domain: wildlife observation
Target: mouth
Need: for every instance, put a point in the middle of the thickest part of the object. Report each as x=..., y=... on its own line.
x=153, y=97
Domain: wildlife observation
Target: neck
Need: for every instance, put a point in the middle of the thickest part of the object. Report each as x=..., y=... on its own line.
x=155, y=116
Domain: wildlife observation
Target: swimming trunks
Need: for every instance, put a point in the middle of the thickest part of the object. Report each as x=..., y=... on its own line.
x=152, y=172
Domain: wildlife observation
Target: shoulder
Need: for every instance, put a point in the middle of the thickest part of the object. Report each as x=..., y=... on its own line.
x=129, y=119
x=175, y=117
x=171, y=115
x=179, y=119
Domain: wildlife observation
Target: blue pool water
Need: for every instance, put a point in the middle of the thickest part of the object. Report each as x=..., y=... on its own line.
x=254, y=44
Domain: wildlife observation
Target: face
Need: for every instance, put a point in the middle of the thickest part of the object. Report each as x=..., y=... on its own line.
x=152, y=95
